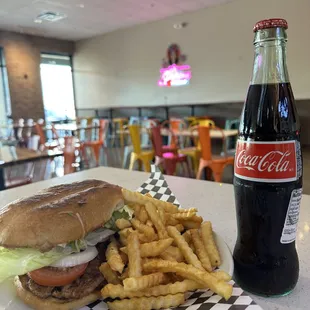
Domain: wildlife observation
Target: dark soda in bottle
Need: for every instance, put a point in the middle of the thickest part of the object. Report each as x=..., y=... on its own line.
x=268, y=171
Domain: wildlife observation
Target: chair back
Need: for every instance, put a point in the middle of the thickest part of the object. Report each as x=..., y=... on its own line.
x=82, y=132
x=30, y=125
x=69, y=154
x=205, y=141
x=145, y=136
x=103, y=130
x=134, y=120
x=134, y=131
x=95, y=131
x=19, y=130
x=206, y=123
x=54, y=132
x=157, y=141
x=40, y=132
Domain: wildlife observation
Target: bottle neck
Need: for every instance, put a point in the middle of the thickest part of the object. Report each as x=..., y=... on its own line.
x=270, y=57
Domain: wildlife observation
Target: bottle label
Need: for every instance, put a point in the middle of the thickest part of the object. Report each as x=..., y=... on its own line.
x=292, y=215
x=266, y=161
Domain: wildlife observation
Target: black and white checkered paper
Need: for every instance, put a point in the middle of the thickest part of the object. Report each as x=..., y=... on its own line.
x=157, y=186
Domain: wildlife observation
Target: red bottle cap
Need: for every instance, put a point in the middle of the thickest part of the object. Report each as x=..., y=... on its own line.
x=270, y=23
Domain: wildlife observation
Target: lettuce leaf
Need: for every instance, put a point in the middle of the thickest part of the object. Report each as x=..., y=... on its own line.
x=124, y=213
x=22, y=260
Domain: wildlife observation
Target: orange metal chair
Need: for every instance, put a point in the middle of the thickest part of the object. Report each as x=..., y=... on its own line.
x=96, y=145
x=69, y=155
x=174, y=125
x=194, y=152
x=44, y=145
x=144, y=156
x=215, y=163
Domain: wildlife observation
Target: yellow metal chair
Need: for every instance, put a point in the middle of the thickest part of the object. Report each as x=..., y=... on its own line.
x=138, y=154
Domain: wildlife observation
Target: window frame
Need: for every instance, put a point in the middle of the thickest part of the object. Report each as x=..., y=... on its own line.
x=5, y=81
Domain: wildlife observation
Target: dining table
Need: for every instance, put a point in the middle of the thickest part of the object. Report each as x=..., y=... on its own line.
x=13, y=155
x=215, y=202
x=214, y=133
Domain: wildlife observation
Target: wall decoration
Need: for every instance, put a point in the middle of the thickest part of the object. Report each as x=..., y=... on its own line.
x=174, y=72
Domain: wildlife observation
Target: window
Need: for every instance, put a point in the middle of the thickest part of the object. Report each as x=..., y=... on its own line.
x=5, y=101
x=57, y=87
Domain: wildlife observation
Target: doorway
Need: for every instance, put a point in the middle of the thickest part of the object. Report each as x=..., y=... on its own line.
x=57, y=88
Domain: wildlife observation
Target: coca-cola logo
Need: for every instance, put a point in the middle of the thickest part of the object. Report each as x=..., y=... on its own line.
x=266, y=161
x=273, y=160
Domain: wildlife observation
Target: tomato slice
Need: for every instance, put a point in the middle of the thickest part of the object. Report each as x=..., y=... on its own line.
x=50, y=276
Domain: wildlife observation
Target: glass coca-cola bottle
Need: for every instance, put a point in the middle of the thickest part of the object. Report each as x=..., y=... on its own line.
x=268, y=171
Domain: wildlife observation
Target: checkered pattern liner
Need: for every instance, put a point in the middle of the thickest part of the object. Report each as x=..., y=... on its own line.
x=157, y=186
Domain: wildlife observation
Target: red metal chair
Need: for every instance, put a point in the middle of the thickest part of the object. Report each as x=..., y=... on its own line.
x=168, y=159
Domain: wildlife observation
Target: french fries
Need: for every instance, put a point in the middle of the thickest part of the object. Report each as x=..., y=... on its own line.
x=143, y=282
x=187, y=252
x=113, y=256
x=175, y=253
x=162, y=215
x=142, y=217
x=109, y=274
x=152, y=249
x=209, y=243
x=179, y=227
x=164, y=253
x=200, y=250
x=183, y=215
x=191, y=224
x=190, y=210
x=190, y=272
x=143, y=200
x=122, y=223
x=155, y=218
x=118, y=291
x=170, y=220
x=148, y=303
x=221, y=275
x=134, y=256
x=144, y=229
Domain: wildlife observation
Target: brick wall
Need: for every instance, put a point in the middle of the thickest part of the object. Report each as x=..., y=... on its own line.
x=22, y=55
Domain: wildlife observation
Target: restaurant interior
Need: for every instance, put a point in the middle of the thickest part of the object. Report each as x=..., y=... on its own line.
x=125, y=84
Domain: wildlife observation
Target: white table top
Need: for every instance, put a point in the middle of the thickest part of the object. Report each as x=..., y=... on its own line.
x=215, y=202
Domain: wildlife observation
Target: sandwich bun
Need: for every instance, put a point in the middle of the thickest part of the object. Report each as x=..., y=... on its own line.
x=58, y=215
x=52, y=303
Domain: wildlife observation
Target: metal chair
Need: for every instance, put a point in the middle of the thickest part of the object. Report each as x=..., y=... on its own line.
x=207, y=160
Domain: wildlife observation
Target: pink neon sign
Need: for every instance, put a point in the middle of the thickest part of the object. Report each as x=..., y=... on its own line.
x=175, y=75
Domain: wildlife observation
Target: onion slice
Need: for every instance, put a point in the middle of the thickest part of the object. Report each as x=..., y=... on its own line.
x=77, y=258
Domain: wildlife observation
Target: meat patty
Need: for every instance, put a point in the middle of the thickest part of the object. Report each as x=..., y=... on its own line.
x=83, y=286
x=36, y=289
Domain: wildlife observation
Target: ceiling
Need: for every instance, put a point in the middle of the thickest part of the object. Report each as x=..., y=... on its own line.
x=87, y=18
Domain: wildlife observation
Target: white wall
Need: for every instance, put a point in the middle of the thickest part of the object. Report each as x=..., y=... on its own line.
x=122, y=68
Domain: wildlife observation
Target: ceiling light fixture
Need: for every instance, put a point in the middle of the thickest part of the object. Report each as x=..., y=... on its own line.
x=82, y=6
x=38, y=21
x=180, y=25
x=50, y=16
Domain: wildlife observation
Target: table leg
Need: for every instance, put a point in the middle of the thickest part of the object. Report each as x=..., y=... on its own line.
x=2, y=181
